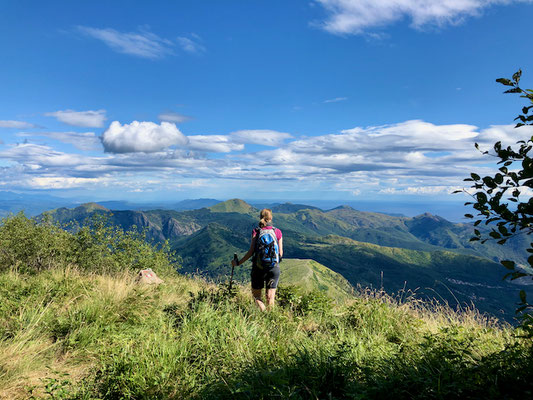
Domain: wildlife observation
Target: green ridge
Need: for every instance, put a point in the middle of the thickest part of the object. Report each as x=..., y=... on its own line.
x=311, y=275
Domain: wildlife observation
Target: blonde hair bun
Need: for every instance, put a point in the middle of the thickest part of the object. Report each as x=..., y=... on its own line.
x=265, y=217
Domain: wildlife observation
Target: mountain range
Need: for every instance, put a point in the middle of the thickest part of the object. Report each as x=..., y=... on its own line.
x=425, y=254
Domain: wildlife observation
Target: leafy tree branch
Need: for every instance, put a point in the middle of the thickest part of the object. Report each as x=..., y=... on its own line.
x=503, y=201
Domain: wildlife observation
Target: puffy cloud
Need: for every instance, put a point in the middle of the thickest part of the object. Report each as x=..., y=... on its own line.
x=173, y=117
x=86, y=119
x=213, y=143
x=405, y=137
x=140, y=44
x=83, y=141
x=138, y=136
x=16, y=124
x=191, y=43
x=359, y=16
x=264, y=137
x=412, y=154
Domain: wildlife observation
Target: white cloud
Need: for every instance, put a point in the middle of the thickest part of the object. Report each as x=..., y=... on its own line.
x=86, y=119
x=360, y=16
x=408, y=158
x=264, y=137
x=141, y=44
x=213, y=143
x=16, y=124
x=173, y=117
x=191, y=43
x=36, y=156
x=412, y=154
x=138, y=136
x=403, y=137
x=62, y=182
x=422, y=190
x=336, y=100
x=81, y=140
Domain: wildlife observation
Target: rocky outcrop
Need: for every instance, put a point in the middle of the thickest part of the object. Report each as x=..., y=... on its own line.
x=173, y=228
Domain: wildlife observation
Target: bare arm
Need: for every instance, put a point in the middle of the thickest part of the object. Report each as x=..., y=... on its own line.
x=281, y=247
x=247, y=255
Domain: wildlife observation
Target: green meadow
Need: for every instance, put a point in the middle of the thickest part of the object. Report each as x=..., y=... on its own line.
x=75, y=325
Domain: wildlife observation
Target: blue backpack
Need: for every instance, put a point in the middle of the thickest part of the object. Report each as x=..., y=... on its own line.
x=266, y=253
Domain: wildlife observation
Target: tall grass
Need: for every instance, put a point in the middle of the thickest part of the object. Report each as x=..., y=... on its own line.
x=71, y=332
x=187, y=339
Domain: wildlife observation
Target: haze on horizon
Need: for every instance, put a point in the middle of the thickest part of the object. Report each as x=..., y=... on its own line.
x=339, y=100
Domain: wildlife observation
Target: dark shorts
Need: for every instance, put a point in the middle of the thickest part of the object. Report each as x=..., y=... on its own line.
x=269, y=276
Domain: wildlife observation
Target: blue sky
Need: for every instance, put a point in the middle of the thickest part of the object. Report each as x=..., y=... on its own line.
x=349, y=100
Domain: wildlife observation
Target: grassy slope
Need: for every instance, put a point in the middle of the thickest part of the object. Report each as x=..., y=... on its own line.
x=310, y=275
x=114, y=339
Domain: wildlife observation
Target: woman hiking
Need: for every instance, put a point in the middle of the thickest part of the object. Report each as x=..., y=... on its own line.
x=266, y=250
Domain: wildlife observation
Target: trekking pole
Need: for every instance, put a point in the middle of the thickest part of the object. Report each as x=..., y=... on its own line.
x=236, y=259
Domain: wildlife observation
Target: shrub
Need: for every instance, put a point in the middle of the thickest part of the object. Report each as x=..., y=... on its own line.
x=301, y=302
x=30, y=245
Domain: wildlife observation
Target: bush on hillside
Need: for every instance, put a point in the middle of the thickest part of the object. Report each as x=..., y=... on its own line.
x=29, y=245
x=300, y=302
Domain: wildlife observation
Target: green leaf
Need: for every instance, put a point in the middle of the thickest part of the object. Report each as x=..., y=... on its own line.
x=481, y=197
x=523, y=296
x=508, y=264
x=474, y=176
x=503, y=230
x=505, y=82
x=517, y=75
x=495, y=235
x=469, y=216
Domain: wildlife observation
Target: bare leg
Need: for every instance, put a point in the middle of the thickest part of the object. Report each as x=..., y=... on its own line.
x=270, y=294
x=258, y=300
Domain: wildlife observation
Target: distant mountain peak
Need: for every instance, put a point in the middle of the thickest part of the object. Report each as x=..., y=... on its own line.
x=429, y=216
x=92, y=207
x=287, y=208
x=233, y=205
x=343, y=207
